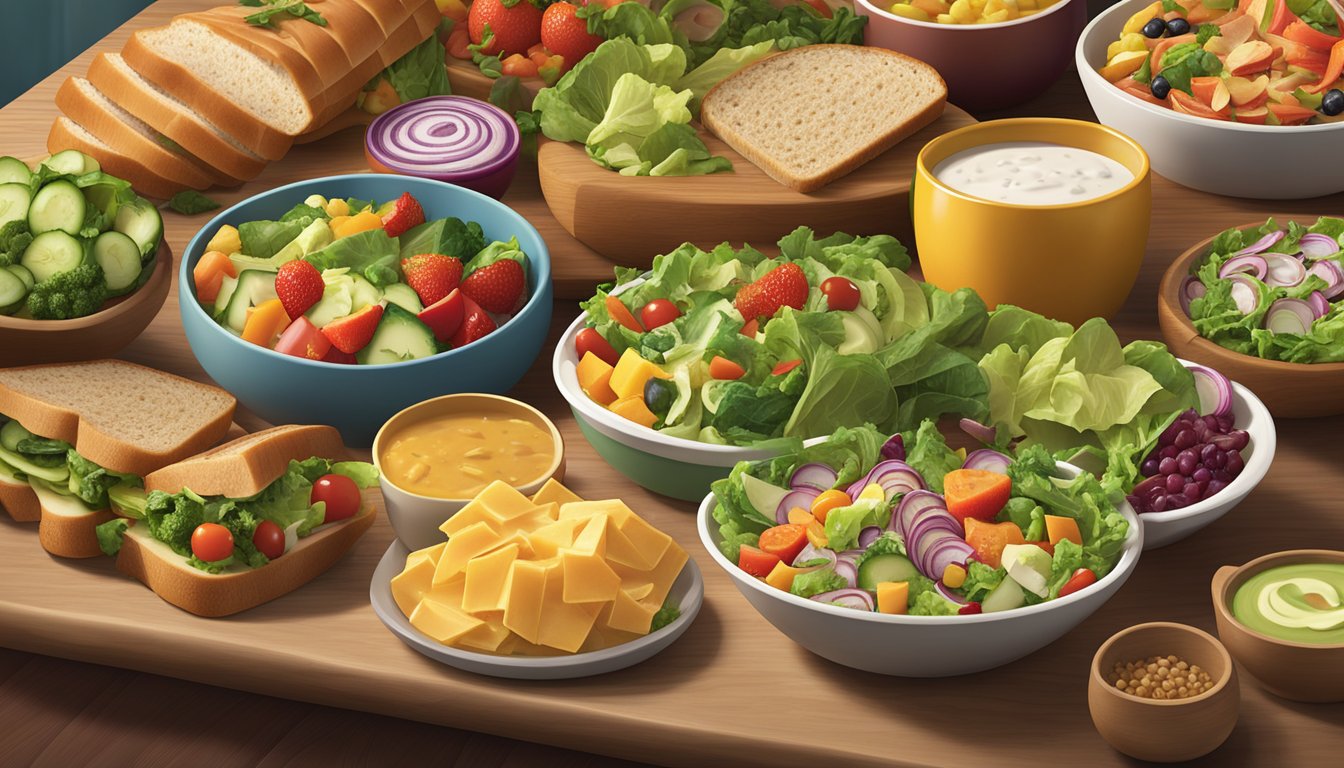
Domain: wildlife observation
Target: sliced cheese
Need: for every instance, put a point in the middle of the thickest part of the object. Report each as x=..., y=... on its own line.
x=428, y=553
x=587, y=579
x=564, y=626
x=527, y=590
x=487, y=637
x=631, y=615
x=554, y=493
x=475, y=539
x=442, y=621
x=592, y=540
x=550, y=539
x=485, y=579
x=410, y=586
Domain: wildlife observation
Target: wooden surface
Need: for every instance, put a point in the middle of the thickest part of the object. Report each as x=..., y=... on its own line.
x=733, y=689
x=745, y=205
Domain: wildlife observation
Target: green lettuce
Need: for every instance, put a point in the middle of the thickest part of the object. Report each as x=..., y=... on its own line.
x=1083, y=498
x=925, y=600
x=421, y=72
x=927, y=452
x=371, y=254
x=449, y=237
x=816, y=582
x=981, y=579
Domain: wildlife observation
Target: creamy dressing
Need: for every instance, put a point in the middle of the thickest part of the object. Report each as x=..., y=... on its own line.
x=1032, y=173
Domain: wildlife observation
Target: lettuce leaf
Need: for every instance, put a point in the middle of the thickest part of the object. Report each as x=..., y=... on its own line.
x=816, y=582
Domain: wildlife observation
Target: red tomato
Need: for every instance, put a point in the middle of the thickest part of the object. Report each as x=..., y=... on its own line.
x=976, y=493
x=658, y=312
x=756, y=562
x=841, y=293
x=783, y=541
x=785, y=366
x=750, y=328
x=269, y=539
x=969, y=609
x=589, y=340
x=211, y=542
x=1080, y=579
x=340, y=494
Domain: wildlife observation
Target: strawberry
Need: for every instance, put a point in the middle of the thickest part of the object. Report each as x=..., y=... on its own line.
x=496, y=287
x=335, y=355
x=352, y=333
x=406, y=213
x=432, y=275
x=566, y=35
x=475, y=324
x=299, y=286
x=514, y=27
x=783, y=286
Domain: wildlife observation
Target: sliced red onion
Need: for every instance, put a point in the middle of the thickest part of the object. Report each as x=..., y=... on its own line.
x=931, y=527
x=868, y=535
x=847, y=571
x=1262, y=245
x=1245, y=294
x=988, y=459
x=1332, y=274
x=982, y=432
x=850, y=555
x=947, y=549
x=911, y=508
x=1315, y=245
x=1289, y=316
x=894, y=448
x=1255, y=266
x=1284, y=270
x=443, y=137
x=1214, y=389
x=800, y=497
x=895, y=477
x=948, y=593
x=1318, y=303
x=810, y=552
x=1191, y=288
x=850, y=598
x=813, y=475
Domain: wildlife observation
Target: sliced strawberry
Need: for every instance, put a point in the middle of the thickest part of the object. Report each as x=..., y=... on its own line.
x=475, y=324
x=299, y=286
x=352, y=333
x=496, y=287
x=432, y=275
x=335, y=355
x=406, y=213
x=783, y=286
x=444, y=316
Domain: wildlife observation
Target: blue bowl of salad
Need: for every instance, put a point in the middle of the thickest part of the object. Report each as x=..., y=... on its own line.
x=901, y=556
x=343, y=300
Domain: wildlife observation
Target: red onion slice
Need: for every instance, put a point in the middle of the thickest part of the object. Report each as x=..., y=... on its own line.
x=1191, y=288
x=1289, y=316
x=944, y=550
x=988, y=459
x=1263, y=244
x=982, y=432
x=1284, y=270
x=850, y=598
x=911, y=508
x=800, y=497
x=1332, y=274
x=1214, y=390
x=1245, y=294
x=847, y=571
x=814, y=475
x=810, y=552
x=868, y=535
x=948, y=593
x=1315, y=246
x=443, y=137
x=894, y=448
x=1255, y=266
x=1318, y=303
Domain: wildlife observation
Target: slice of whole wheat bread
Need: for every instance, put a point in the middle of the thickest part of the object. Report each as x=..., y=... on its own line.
x=245, y=466
x=67, y=134
x=17, y=498
x=808, y=116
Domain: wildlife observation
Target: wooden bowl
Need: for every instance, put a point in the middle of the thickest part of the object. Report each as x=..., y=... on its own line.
x=102, y=334
x=1164, y=730
x=1297, y=671
x=1289, y=390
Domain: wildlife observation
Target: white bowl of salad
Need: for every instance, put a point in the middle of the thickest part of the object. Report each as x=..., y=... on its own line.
x=913, y=554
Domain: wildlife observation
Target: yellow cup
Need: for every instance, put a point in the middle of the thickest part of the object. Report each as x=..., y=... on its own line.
x=1070, y=262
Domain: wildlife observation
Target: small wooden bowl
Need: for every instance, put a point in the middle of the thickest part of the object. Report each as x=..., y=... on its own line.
x=1289, y=390
x=102, y=334
x=1164, y=730
x=1296, y=671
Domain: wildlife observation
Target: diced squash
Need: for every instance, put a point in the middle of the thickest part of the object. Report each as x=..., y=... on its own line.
x=595, y=379
x=782, y=576
x=632, y=372
x=634, y=409
x=893, y=597
x=360, y=222
x=226, y=240
x=816, y=533
x=1059, y=528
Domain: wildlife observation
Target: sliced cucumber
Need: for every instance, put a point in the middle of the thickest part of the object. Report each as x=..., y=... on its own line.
x=363, y=293
x=226, y=288
x=888, y=567
x=13, y=292
x=400, y=336
x=14, y=171
x=12, y=434
x=403, y=296
x=52, y=253
x=57, y=206
x=14, y=202
x=23, y=274
x=254, y=287
x=58, y=474
x=119, y=256
x=140, y=221
x=72, y=163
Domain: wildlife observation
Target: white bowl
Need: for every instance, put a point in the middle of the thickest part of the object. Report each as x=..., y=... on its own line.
x=922, y=646
x=688, y=592
x=1251, y=415
x=1226, y=158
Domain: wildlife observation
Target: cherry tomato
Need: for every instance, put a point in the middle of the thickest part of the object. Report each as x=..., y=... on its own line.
x=658, y=312
x=750, y=328
x=785, y=366
x=589, y=340
x=970, y=609
x=269, y=539
x=1080, y=579
x=841, y=293
x=211, y=542
x=340, y=494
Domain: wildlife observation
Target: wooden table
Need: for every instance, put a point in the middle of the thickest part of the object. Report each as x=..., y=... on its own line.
x=701, y=702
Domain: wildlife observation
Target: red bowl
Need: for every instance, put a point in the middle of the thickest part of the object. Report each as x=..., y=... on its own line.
x=986, y=66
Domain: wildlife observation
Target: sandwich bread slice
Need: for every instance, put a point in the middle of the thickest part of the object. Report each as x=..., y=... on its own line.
x=67, y=134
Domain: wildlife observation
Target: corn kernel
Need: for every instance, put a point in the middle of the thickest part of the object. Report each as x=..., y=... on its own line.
x=954, y=575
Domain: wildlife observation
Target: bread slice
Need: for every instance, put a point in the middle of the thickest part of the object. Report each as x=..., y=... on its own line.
x=227, y=25
x=388, y=14
x=810, y=115
x=172, y=117
x=245, y=466
x=128, y=134
x=18, y=499
x=65, y=526
x=317, y=44
x=414, y=31
x=67, y=134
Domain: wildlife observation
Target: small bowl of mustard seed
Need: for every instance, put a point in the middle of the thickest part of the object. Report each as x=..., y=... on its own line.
x=1163, y=692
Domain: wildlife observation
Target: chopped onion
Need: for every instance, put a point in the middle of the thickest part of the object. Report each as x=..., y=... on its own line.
x=1191, y=288
x=895, y=477
x=911, y=508
x=850, y=598
x=799, y=497
x=810, y=552
x=1255, y=266
x=1315, y=245
x=988, y=459
x=947, y=592
x=894, y=448
x=1214, y=389
x=1284, y=270
x=982, y=432
x=1318, y=304
x=1244, y=294
x=1332, y=274
x=449, y=138
x=846, y=569
x=1289, y=316
x=868, y=535
x=1261, y=245
x=812, y=475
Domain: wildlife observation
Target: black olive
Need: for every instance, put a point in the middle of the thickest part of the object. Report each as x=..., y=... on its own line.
x=1160, y=88
x=1154, y=28
x=658, y=396
x=1177, y=26
x=1332, y=103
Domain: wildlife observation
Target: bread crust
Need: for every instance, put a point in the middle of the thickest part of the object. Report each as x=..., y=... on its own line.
x=411, y=33
x=245, y=466
x=20, y=501
x=145, y=181
x=71, y=536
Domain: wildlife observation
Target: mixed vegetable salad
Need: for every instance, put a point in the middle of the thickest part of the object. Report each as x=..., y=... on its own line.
x=351, y=281
x=72, y=238
x=1273, y=291
x=968, y=11
x=906, y=525
x=1265, y=62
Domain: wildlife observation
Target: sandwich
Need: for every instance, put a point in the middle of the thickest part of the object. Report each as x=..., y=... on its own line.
x=243, y=523
x=75, y=436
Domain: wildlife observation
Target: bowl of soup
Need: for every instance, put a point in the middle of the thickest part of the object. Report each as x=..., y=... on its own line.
x=1047, y=214
x=435, y=456
x=1282, y=617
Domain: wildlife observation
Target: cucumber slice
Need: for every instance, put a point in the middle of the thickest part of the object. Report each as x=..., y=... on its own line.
x=59, y=474
x=72, y=162
x=888, y=567
x=52, y=253
x=403, y=296
x=13, y=292
x=119, y=256
x=140, y=221
x=23, y=274
x=11, y=434
x=226, y=289
x=57, y=206
x=14, y=202
x=254, y=287
x=400, y=336
x=14, y=171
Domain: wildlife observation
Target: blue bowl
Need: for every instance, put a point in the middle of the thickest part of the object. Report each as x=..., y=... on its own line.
x=357, y=399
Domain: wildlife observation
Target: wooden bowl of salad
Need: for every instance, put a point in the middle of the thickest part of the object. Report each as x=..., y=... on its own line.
x=1288, y=389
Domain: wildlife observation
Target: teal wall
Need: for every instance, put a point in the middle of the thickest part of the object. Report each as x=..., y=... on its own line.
x=38, y=36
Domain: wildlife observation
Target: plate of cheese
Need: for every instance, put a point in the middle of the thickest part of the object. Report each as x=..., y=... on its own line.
x=540, y=588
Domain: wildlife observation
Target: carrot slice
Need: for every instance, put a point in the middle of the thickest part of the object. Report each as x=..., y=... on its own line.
x=723, y=368
x=621, y=314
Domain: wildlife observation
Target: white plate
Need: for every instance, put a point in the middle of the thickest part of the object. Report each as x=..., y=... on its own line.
x=688, y=591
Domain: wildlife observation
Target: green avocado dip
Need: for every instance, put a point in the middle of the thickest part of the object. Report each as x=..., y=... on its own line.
x=1301, y=603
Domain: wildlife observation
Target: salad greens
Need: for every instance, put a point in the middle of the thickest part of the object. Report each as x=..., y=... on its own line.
x=56, y=466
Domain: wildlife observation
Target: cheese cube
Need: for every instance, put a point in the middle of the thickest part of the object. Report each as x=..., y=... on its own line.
x=527, y=591
x=595, y=378
x=621, y=551
x=497, y=503
x=409, y=586
x=467, y=543
x=428, y=553
x=630, y=615
x=442, y=621
x=486, y=578
x=650, y=542
x=588, y=579
x=487, y=637
x=893, y=597
x=550, y=539
x=554, y=492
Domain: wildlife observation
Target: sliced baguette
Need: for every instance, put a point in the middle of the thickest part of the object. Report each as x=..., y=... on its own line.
x=18, y=499
x=175, y=119
x=410, y=34
x=811, y=115
x=245, y=466
x=315, y=70
x=318, y=44
x=82, y=102
x=388, y=14
x=67, y=134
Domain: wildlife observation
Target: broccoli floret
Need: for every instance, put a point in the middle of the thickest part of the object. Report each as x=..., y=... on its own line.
x=14, y=240
x=172, y=519
x=76, y=293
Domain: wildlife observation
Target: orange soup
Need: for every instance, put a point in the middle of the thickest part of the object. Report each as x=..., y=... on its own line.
x=455, y=456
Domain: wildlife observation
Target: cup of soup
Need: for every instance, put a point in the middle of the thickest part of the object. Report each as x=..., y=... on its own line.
x=1047, y=214
x=1282, y=617
x=435, y=456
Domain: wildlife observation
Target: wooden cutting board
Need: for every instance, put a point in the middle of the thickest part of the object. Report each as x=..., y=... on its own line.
x=632, y=219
